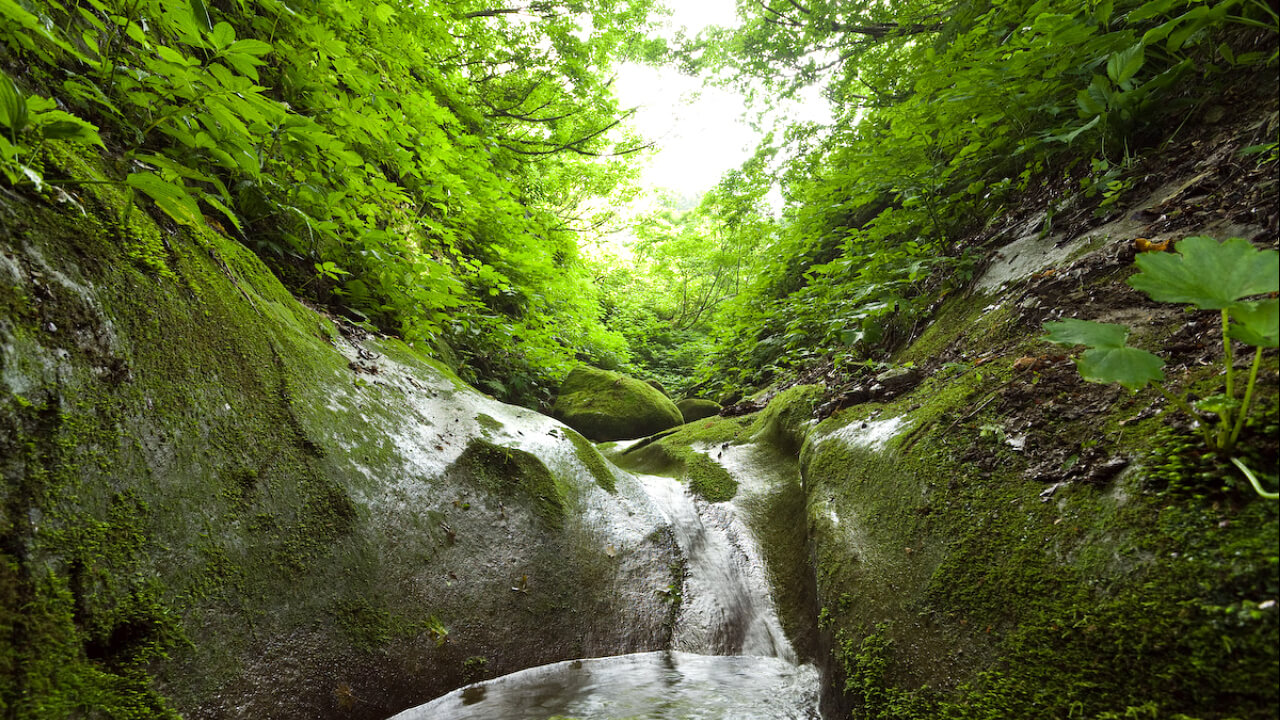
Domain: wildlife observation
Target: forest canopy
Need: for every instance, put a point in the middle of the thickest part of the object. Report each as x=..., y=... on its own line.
x=429, y=169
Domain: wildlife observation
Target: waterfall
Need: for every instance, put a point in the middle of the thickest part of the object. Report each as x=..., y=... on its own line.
x=723, y=612
x=729, y=658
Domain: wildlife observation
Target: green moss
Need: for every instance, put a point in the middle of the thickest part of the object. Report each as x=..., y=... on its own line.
x=1137, y=598
x=370, y=626
x=712, y=430
x=961, y=316
x=708, y=480
x=119, y=205
x=786, y=420
x=512, y=473
x=162, y=484
x=693, y=409
x=604, y=405
x=594, y=461
x=488, y=423
x=672, y=454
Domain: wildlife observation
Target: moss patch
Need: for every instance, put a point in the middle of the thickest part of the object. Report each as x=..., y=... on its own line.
x=693, y=409
x=604, y=406
x=672, y=454
x=956, y=584
x=512, y=473
x=708, y=480
x=594, y=461
x=785, y=421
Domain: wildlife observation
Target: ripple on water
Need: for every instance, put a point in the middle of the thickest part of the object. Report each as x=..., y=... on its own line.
x=645, y=686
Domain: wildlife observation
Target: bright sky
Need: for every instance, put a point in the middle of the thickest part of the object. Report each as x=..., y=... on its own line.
x=700, y=133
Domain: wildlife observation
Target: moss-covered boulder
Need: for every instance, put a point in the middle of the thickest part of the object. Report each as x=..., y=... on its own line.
x=696, y=409
x=787, y=419
x=604, y=406
x=219, y=503
x=1002, y=542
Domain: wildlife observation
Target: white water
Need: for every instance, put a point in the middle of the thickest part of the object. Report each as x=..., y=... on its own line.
x=644, y=686
x=730, y=659
x=723, y=612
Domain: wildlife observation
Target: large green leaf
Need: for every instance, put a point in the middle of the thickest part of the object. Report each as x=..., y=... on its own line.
x=172, y=198
x=13, y=105
x=59, y=125
x=1085, y=332
x=1123, y=65
x=1131, y=367
x=1208, y=274
x=1256, y=323
x=1108, y=359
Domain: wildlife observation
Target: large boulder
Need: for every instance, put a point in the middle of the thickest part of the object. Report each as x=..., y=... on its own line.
x=219, y=503
x=606, y=406
x=697, y=409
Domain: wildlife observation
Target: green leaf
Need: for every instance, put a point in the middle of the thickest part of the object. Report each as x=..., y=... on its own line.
x=1208, y=274
x=201, y=15
x=1217, y=404
x=1227, y=54
x=1131, y=367
x=171, y=198
x=1085, y=332
x=64, y=126
x=1152, y=9
x=13, y=105
x=221, y=207
x=168, y=54
x=222, y=35
x=1123, y=65
x=1256, y=323
x=249, y=47
x=18, y=17
x=383, y=12
x=1068, y=137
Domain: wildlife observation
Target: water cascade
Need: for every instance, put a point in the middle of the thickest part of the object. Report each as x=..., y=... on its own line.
x=729, y=659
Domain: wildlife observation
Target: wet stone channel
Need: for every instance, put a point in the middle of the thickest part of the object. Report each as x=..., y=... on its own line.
x=729, y=658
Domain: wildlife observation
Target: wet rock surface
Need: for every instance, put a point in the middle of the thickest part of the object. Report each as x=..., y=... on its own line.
x=313, y=522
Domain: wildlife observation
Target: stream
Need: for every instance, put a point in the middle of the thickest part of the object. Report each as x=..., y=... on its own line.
x=730, y=659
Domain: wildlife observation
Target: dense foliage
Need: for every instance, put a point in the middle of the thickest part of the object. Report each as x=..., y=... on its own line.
x=683, y=264
x=943, y=113
x=422, y=168
x=426, y=169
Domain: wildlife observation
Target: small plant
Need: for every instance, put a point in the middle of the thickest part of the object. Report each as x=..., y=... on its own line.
x=30, y=117
x=1211, y=276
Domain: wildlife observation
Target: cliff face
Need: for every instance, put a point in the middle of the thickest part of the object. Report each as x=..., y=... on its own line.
x=219, y=502
x=1000, y=538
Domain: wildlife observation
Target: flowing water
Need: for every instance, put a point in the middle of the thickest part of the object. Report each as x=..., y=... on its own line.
x=730, y=659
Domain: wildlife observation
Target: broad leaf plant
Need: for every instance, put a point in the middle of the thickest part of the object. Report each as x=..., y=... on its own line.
x=1210, y=276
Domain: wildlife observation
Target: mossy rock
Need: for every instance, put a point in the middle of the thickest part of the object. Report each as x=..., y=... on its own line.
x=604, y=405
x=696, y=409
x=514, y=474
x=193, y=467
x=786, y=420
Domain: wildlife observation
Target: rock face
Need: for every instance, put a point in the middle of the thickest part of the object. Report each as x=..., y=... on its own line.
x=605, y=406
x=694, y=409
x=276, y=515
x=965, y=526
